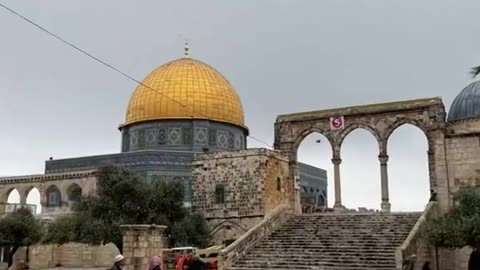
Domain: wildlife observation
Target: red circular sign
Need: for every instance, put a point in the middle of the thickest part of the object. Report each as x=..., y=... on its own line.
x=337, y=122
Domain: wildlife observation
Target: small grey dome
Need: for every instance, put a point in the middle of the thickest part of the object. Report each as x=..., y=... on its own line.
x=467, y=104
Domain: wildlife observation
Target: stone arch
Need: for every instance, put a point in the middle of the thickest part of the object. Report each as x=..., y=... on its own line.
x=73, y=192
x=352, y=127
x=226, y=224
x=9, y=192
x=27, y=190
x=400, y=122
x=427, y=183
x=300, y=137
x=53, y=196
x=26, y=193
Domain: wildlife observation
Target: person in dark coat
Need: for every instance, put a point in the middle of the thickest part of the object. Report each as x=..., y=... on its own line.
x=426, y=266
x=196, y=264
x=474, y=262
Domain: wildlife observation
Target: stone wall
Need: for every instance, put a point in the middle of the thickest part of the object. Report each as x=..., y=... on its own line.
x=72, y=255
x=277, y=182
x=255, y=181
x=463, y=159
x=463, y=154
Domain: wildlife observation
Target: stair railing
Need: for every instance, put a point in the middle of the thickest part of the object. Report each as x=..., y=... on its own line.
x=406, y=254
x=244, y=243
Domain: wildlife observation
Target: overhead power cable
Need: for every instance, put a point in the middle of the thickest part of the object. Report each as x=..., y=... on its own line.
x=184, y=106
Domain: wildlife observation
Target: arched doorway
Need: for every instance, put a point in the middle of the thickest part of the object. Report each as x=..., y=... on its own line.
x=316, y=182
x=33, y=199
x=361, y=187
x=408, y=168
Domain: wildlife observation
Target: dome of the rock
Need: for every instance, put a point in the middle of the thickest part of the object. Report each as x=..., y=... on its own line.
x=185, y=89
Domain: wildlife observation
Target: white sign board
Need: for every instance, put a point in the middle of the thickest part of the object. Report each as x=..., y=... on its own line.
x=337, y=123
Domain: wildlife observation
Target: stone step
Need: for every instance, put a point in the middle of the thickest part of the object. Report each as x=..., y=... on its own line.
x=331, y=242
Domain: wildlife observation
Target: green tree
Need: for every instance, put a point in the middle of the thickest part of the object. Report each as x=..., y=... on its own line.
x=460, y=227
x=124, y=197
x=19, y=229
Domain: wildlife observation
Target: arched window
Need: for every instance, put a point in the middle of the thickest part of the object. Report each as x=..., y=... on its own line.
x=74, y=193
x=279, y=184
x=53, y=197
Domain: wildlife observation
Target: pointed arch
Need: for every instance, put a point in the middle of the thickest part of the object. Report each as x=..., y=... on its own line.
x=352, y=127
x=305, y=133
x=404, y=158
x=15, y=192
x=33, y=197
x=225, y=224
x=400, y=122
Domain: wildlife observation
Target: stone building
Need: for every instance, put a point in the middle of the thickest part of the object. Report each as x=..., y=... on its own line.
x=236, y=190
x=182, y=108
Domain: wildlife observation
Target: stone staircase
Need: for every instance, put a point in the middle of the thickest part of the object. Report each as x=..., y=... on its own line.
x=332, y=242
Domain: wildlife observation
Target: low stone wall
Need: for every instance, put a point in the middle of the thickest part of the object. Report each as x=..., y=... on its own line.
x=414, y=250
x=69, y=255
x=242, y=245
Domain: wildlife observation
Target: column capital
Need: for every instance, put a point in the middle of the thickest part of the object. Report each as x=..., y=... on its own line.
x=383, y=158
x=336, y=161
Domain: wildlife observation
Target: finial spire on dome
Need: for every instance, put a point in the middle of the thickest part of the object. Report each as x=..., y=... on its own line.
x=187, y=50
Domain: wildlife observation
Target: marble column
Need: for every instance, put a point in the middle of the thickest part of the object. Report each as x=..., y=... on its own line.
x=385, y=205
x=338, y=189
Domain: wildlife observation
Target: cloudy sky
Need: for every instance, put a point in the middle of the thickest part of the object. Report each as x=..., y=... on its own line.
x=281, y=56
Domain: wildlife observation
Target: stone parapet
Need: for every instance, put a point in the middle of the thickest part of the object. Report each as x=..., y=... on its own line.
x=414, y=250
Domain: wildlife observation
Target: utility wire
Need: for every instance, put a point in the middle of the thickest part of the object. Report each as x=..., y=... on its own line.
x=109, y=65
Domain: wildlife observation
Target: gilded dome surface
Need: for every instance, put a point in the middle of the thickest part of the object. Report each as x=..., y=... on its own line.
x=467, y=104
x=185, y=89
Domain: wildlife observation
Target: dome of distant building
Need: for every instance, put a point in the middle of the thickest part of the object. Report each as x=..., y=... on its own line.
x=184, y=105
x=467, y=104
x=185, y=89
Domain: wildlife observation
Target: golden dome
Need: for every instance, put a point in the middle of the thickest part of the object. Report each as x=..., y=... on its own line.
x=185, y=89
